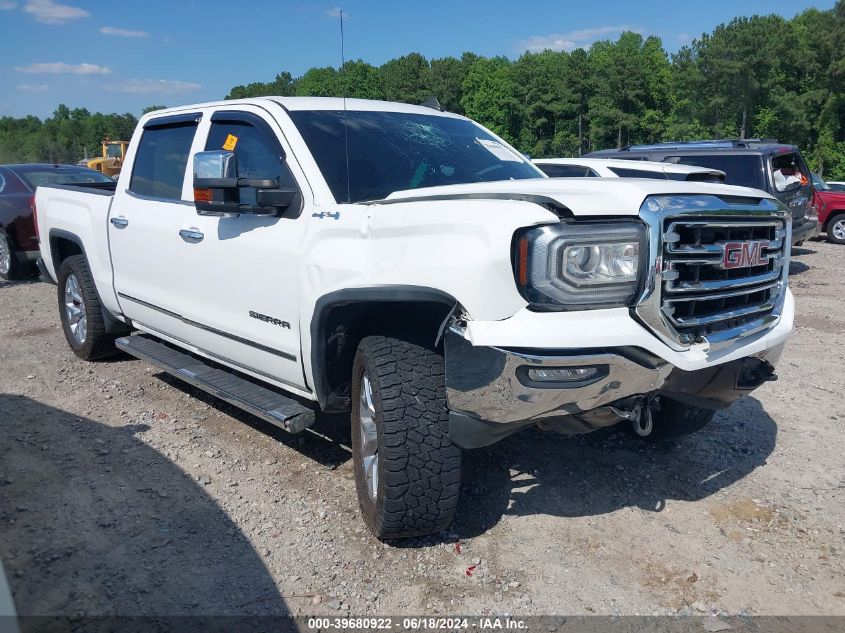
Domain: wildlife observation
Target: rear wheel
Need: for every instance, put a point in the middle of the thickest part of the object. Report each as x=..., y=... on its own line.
x=81, y=311
x=407, y=471
x=836, y=229
x=10, y=267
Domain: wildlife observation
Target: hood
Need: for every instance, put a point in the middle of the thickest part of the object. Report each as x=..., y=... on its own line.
x=829, y=197
x=582, y=196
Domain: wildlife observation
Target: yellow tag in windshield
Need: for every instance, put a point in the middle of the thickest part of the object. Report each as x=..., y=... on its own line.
x=231, y=141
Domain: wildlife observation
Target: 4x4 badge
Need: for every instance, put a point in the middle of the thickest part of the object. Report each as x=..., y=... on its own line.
x=326, y=214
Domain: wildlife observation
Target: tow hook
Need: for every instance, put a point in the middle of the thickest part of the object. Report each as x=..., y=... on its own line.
x=644, y=423
x=641, y=417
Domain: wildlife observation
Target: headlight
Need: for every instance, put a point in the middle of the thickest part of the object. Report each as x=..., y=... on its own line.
x=601, y=263
x=571, y=265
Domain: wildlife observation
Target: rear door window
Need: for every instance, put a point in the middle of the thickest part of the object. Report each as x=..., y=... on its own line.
x=566, y=171
x=161, y=160
x=744, y=170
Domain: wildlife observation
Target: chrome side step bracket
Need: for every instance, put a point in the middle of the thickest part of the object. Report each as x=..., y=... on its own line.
x=263, y=402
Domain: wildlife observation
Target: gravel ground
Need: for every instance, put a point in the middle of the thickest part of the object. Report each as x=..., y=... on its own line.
x=123, y=491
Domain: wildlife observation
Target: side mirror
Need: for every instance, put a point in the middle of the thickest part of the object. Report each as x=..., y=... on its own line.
x=215, y=165
x=217, y=188
x=216, y=183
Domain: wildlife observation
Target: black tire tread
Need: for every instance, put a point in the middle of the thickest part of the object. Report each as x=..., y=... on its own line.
x=98, y=343
x=422, y=468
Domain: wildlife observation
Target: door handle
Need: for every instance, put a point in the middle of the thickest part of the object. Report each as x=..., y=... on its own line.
x=120, y=223
x=191, y=235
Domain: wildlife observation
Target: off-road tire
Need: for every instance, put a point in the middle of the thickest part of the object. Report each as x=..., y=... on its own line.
x=839, y=217
x=419, y=469
x=98, y=343
x=675, y=419
x=16, y=270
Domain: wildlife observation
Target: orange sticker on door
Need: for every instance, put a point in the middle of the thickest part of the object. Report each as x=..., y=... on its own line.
x=231, y=141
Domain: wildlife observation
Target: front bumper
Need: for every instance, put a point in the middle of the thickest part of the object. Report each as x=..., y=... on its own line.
x=490, y=396
x=492, y=383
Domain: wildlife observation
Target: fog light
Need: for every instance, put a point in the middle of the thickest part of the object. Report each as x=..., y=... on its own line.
x=562, y=374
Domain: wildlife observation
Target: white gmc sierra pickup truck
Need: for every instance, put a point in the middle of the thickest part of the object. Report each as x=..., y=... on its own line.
x=290, y=255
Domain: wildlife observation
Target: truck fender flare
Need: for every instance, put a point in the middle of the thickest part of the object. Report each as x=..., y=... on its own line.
x=347, y=296
x=112, y=324
x=57, y=234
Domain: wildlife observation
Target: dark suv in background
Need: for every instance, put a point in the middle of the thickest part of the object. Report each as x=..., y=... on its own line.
x=759, y=163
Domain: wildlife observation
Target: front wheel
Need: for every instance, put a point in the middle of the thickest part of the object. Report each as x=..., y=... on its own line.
x=836, y=229
x=407, y=471
x=81, y=311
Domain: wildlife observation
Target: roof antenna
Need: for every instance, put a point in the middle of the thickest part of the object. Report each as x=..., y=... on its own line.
x=343, y=95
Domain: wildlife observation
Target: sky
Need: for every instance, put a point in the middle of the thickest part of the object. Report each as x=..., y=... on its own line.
x=121, y=56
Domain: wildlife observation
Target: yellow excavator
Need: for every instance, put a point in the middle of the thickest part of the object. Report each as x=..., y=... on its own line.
x=111, y=161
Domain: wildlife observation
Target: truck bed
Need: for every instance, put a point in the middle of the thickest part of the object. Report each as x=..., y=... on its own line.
x=78, y=214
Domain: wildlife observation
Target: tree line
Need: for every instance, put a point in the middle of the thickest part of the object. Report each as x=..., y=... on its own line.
x=66, y=137
x=760, y=76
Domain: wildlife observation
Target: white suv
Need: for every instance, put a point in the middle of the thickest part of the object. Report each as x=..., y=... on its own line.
x=620, y=168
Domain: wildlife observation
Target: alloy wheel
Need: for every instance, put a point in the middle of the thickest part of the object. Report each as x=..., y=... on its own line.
x=369, y=436
x=77, y=318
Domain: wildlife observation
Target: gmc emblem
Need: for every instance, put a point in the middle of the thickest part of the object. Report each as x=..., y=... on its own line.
x=744, y=254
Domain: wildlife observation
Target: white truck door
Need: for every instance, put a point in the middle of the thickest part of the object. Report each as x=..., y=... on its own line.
x=150, y=207
x=241, y=273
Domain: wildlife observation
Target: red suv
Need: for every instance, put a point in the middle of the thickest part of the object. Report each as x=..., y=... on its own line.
x=831, y=206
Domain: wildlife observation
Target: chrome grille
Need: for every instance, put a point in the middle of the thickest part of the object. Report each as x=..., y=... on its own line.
x=695, y=292
x=700, y=296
